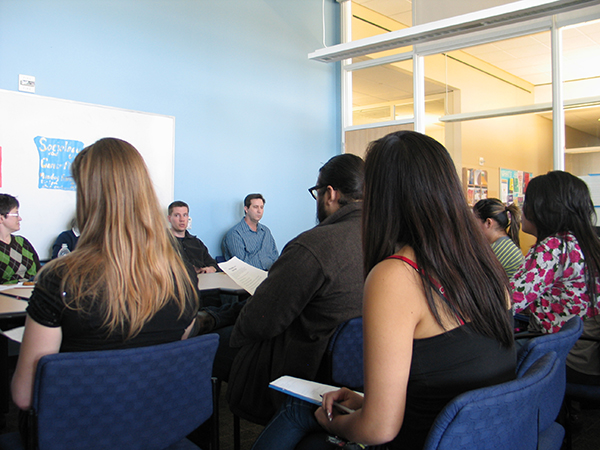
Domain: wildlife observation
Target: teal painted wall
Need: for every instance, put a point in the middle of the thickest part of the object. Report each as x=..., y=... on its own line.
x=253, y=114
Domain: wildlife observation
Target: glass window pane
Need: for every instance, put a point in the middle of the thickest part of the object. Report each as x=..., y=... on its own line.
x=581, y=83
x=382, y=94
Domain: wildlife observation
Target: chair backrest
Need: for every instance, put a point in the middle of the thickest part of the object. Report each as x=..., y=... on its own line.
x=345, y=355
x=139, y=398
x=561, y=343
x=489, y=418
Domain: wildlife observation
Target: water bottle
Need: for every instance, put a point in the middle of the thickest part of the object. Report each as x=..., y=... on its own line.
x=64, y=250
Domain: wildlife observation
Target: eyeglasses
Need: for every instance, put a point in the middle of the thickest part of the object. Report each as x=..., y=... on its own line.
x=12, y=215
x=315, y=190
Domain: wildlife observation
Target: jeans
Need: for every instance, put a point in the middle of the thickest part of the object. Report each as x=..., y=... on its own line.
x=294, y=427
x=294, y=420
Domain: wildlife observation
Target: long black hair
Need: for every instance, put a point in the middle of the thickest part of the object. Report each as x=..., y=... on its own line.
x=559, y=202
x=413, y=197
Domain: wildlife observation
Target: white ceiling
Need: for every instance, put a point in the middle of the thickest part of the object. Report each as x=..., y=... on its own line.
x=528, y=58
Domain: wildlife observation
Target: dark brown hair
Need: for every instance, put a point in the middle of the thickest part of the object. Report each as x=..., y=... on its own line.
x=559, y=202
x=413, y=197
x=508, y=218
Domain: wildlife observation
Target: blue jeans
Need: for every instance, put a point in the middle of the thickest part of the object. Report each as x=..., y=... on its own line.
x=294, y=420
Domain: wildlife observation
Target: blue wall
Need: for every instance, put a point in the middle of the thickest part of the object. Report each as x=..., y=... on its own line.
x=253, y=114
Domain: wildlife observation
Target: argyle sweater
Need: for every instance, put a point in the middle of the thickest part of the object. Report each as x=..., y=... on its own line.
x=18, y=260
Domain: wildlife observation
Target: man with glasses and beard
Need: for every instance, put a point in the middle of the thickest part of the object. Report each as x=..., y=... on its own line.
x=315, y=285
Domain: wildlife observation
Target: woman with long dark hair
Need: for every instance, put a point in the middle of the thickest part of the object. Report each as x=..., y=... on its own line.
x=500, y=225
x=560, y=277
x=436, y=306
x=124, y=285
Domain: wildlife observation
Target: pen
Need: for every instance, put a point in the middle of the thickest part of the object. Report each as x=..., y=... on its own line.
x=341, y=407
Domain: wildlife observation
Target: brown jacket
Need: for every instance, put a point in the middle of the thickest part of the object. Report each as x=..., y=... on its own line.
x=316, y=284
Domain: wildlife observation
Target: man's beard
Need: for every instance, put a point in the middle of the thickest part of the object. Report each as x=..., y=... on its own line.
x=321, y=213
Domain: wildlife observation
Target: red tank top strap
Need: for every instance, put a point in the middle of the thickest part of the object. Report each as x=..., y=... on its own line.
x=408, y=261
x=439, y=287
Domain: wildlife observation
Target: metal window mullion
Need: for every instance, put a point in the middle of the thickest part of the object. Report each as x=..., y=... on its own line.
x=558, y=112
x=419, y=92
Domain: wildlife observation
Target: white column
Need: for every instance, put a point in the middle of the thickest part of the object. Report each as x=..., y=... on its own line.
x=346, y=82
x=558, y=112
x=419, y=92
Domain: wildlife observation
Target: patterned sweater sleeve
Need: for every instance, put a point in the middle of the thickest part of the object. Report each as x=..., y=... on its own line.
x=544, y=283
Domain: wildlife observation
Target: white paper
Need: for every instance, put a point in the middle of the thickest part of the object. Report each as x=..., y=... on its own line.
x=306, y=390
x=245, y=275
x=309, y=391
x=16, y=334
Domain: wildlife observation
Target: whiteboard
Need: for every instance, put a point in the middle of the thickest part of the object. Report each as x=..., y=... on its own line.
x=31, y=125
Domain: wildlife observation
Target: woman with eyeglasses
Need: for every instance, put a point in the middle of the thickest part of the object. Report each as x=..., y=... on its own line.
x=20, y=261
x=124, y=285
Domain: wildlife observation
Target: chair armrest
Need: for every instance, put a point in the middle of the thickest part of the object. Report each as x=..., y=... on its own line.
x=527, y=335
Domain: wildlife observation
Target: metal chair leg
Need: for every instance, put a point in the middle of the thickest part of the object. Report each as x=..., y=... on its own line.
x=216, y=390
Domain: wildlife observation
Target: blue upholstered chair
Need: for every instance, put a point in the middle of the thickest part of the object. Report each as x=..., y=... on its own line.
x=342, y=363
x=344, y=356
x=490, y=418
x=140, y=398
x=561, y=343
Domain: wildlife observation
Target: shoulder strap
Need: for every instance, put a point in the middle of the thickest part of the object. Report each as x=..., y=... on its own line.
x=438, y=286
x=410, y=262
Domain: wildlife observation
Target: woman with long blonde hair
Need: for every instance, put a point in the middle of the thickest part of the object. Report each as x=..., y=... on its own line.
x=124, y=285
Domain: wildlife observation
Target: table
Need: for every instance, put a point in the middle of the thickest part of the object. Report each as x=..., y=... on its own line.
x=11, y=310
x=219, y=281
x=23, y=292
x=218, y=288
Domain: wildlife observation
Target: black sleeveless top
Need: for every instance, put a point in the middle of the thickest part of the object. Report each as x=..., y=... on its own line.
x=443, y=367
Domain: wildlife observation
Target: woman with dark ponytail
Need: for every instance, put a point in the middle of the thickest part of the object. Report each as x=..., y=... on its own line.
x=500, y=225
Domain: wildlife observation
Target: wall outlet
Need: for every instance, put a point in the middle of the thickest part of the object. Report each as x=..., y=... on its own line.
x=27, y=83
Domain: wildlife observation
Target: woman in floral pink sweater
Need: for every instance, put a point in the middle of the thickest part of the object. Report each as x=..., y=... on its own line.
x=562, y=269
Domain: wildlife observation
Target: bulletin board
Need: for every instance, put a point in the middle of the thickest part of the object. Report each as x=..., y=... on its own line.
x=513, y=184
x=40, y=137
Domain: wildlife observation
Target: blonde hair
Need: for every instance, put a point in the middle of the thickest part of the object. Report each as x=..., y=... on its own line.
x=125, y=256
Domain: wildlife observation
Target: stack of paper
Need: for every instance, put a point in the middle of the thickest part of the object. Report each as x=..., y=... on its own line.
x=245, y=275
x=309, y=391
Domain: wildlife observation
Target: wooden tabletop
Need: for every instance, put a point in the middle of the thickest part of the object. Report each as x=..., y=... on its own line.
x=12, y=307
x=17, y=291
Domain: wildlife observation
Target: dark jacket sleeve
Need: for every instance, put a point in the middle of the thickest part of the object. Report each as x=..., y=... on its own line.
x=293, y=282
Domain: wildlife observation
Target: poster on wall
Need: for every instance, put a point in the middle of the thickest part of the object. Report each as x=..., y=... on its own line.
x=56, y=157
x=39, y=139
x=513, y=184
x=475, y=184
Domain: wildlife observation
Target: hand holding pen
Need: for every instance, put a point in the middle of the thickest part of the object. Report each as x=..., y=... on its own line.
x=344, y=401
